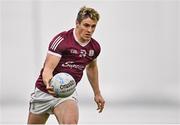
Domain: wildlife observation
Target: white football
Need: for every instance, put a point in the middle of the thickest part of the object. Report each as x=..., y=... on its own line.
x=63, y=84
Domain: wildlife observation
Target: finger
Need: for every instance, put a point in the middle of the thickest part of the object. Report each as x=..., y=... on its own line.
x=101, y=109
x=98, y=106
x=52, y=93
x=50, y=88
x=101, y=106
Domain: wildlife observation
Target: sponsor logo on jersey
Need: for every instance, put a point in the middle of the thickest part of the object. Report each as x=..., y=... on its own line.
x=71, y=65
x=73, y=51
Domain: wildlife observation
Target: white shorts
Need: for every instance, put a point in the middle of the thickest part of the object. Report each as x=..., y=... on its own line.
x=42, y=102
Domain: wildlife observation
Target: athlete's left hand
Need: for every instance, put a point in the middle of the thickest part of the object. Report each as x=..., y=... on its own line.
x=100, y=102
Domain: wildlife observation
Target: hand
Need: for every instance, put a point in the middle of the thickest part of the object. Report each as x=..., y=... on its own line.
x=100, y=102
x=50, y=90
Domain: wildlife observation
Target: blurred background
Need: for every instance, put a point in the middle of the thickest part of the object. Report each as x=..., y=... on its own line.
x=139, y=65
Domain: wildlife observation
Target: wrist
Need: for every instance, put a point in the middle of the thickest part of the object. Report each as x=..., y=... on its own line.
x=97, y=93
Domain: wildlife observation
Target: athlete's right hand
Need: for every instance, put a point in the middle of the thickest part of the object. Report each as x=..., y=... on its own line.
x=50, y=90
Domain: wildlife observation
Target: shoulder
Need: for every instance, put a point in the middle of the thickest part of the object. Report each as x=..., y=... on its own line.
x=96, y=47
x=62, y=35
x=58, y=43
x=95, y=44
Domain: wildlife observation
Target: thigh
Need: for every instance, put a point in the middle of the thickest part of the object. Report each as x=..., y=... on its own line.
x=67, y=112
x=41, y=102
x=37, y=118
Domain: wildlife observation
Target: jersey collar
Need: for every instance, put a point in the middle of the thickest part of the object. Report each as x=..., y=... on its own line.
x=80, y=43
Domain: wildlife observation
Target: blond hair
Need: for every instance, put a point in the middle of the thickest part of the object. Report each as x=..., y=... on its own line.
x=86, y=12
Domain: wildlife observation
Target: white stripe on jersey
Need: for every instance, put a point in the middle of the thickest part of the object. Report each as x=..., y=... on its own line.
x=56, y=43
x=52, y=46
x=55, y=54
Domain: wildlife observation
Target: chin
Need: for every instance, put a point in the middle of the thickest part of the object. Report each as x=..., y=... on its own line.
x=87, y=39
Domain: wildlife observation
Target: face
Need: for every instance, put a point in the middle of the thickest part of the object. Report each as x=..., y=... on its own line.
x=85, y=29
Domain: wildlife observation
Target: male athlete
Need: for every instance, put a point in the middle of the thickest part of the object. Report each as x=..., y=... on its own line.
x=71, y=52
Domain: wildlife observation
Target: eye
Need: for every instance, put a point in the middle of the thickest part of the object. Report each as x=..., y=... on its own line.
x=86, y=25
x=93, y=26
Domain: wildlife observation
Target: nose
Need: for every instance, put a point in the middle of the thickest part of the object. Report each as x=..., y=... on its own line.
x=90, y=29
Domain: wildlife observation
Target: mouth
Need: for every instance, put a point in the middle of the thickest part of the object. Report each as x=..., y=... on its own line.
x=88, y=35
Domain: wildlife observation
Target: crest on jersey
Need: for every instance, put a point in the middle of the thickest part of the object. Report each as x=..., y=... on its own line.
x=91, y=52
x=82, y=53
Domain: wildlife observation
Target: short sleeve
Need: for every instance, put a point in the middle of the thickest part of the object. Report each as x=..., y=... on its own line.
x=97, y=50
x=56, y=45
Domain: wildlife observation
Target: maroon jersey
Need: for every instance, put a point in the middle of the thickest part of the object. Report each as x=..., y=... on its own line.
x=74, y=57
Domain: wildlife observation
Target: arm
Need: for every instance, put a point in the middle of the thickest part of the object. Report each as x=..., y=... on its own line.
x=49, y=66
x=92, y=74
